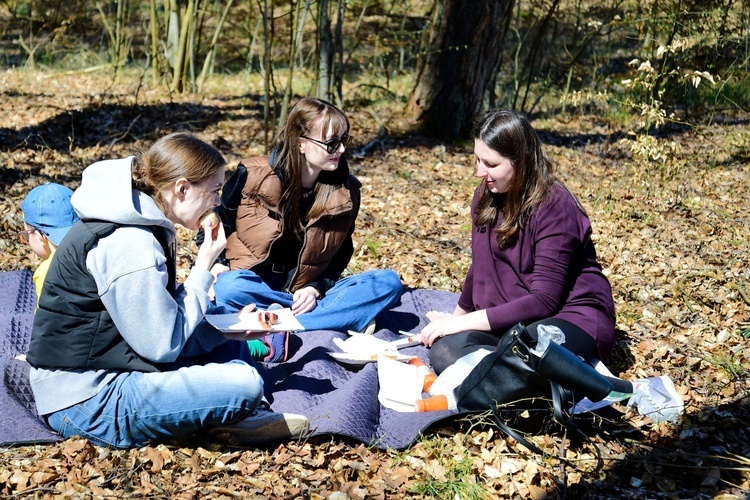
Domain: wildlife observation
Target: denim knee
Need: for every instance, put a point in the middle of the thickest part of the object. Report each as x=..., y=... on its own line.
x=389, y=282
x=225, y=283
x=243, y=382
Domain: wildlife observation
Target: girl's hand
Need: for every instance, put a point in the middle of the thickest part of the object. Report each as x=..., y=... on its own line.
x=213, y=244
x=305, y=300
x=216, y=271
x=250, y=335
x=435, y=315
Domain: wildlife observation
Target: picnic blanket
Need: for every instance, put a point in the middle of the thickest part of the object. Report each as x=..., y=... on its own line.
x=339, y=399
x=342, y=399
x=19, y=423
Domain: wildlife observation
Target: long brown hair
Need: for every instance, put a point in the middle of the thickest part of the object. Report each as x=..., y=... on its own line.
x=510, y=134
x=174, y=156
x=288, y=161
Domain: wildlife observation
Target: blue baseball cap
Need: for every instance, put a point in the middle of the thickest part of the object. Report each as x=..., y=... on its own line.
x=47, y=208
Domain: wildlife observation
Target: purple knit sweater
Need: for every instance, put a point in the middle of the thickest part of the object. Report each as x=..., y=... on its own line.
x=550, y=271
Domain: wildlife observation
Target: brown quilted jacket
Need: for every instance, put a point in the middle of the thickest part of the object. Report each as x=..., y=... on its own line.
x=259, y=224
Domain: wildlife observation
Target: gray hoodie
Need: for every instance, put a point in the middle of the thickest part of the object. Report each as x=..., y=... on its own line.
x=130, y=270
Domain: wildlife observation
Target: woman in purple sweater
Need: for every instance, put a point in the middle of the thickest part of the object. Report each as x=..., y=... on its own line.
x=533, y=257
x=533, y=261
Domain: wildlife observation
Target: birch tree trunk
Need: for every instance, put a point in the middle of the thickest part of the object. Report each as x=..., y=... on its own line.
x=172, y=9
x=154, y=21
x=325, y=57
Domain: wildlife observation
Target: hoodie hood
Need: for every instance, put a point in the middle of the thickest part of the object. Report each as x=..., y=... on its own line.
x=106, y=193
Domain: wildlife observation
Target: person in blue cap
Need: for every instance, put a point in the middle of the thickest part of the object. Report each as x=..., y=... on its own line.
x=47, y=217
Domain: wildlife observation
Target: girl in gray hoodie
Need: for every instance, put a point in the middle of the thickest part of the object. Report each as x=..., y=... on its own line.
x=120, y=352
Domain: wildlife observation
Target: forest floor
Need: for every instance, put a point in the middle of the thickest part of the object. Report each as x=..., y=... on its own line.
x=672, y=238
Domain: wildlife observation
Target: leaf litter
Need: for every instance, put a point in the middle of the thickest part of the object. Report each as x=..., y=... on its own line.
x=673, y=243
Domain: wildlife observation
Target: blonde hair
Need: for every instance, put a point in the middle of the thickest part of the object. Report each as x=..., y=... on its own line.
x=174, y=156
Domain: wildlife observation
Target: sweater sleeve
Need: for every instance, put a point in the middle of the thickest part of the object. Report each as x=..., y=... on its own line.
x=130, y=270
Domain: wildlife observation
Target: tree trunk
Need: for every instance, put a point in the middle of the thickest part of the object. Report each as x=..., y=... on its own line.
x=173, y=31
x=180, y=65
x=298, y=16
x=456, y=75
x=267, y=79
x=208, y=62
x=154, y=21
x=338, y=81
x=324, y=51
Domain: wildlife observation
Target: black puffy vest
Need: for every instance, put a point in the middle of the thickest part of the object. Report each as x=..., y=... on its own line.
x=72, y=328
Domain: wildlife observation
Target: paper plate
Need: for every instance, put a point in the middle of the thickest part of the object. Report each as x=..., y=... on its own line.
x=359, y=359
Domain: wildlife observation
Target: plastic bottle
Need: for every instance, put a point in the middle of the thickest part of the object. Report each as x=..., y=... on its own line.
x=546, y=335
x=424, y=371
x=441, y=390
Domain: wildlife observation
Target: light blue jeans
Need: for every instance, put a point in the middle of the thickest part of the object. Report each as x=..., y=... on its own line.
x=349, y=305
x=136, y=408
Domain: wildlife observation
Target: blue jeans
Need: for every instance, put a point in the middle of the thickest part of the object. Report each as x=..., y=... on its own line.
x=137, y=407
x=350, y=304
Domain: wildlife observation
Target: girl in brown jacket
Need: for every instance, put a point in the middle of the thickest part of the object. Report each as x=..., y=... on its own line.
x=294, y=226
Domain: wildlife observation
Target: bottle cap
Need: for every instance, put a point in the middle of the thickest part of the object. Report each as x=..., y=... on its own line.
x=433, y=403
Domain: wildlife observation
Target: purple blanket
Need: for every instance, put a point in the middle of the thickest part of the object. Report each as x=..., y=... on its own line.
x=338, y=399
x=18, y=421
x=343, y=400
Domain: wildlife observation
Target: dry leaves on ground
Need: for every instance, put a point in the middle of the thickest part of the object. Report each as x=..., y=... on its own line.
x=672, y=240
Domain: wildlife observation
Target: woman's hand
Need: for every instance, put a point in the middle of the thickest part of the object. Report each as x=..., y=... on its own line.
x=216, y=271
x=440, y=325
x=443, y=324
x=305, y=300
x=212, y=247
x=435, y=315
x=251, y=335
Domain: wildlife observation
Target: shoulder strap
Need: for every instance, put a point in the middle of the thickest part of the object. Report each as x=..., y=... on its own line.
x=514, y=434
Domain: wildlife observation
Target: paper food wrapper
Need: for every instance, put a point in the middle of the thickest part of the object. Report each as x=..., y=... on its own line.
x=400, y=384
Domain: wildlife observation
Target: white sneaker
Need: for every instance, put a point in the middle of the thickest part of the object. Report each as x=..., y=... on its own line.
x=656, y=397
x=262, y=427
x=370, y=328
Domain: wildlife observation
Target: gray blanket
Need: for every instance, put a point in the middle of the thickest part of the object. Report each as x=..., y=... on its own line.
x=338, y=399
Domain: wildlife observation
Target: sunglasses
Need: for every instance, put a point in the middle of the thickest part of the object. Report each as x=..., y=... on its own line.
x=332, y=145
x=24, y=235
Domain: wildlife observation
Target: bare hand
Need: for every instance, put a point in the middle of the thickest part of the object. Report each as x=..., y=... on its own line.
x=251, y=335
x=305, y=300
x=211, y=247
x=247, y=309
x=247, y=334
x=216, y=271
x=441, y=325
x=434, y=315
